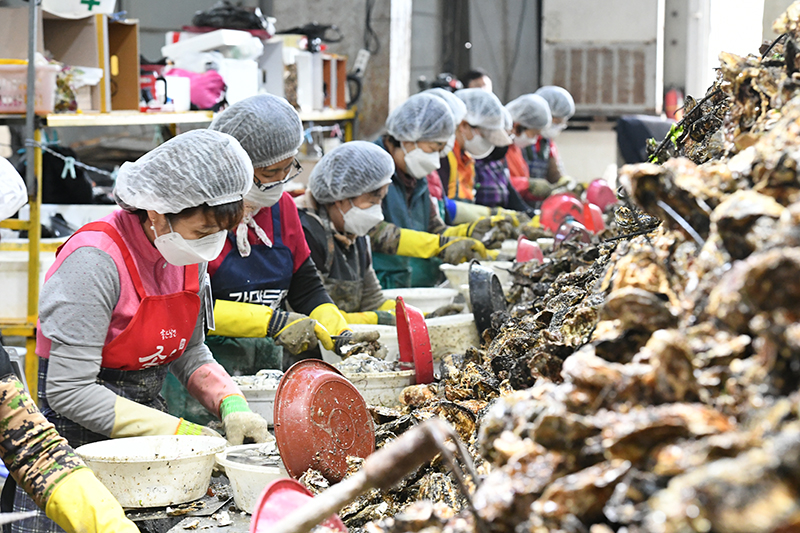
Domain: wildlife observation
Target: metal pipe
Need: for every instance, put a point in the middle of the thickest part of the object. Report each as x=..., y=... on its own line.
x=30, y=104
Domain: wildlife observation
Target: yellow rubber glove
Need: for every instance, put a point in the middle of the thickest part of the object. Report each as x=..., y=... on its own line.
x=384, y=318
x=298, y=333
x=331, y=318
x=133, y=419
x=461, y=249
x=81, y=504
x=238, y=319
x=467, y=212
x=419, y=244
x=388, y=305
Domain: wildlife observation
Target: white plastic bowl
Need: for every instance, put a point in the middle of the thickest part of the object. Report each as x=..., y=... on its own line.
x=426, y=299
x=261, y=400
x=154, y=471
x=452, y=334
x=248, y=481
x=509, y=246
x=388, y=338
x=458, y=275
x=381, y=388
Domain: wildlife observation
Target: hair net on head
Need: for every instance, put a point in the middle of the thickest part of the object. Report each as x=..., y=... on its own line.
x=484, y=109
x=561, y=103
x=194, y=168
x=13, y=194
x=457, y=107
x=423, y=117
x=350, y=170
x=267, y=126
x=530, y=110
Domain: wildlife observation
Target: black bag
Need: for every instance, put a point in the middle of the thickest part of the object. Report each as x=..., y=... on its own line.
x=226, y=15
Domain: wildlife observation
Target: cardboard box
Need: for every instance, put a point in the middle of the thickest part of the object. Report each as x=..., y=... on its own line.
x=96, y=42
x=14, y=33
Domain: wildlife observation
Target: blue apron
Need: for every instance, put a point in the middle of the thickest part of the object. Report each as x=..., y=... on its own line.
x=263, y=277
x=395, y=271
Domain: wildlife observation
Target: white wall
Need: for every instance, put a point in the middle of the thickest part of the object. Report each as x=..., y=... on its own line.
x=772, y=10
x=426, y=41
x=493, y=32
x=734, y=26
x=587, y=154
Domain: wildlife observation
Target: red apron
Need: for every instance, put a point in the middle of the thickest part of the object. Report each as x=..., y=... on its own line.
x=162, y=326
x=134, y=362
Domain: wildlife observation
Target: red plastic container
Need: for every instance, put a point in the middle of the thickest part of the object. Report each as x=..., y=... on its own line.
x=593, y=218
x=320, y=419
x=528, y=250
x=414, y=341
x=278, y=500
x=556, y=209
x=600, y=194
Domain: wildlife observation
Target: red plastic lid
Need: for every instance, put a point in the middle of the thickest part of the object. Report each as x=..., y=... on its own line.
x=528, y=250
x=600, y=194
x=414, y=341
x=278, y=500
x=556, y=209
x=320, y=419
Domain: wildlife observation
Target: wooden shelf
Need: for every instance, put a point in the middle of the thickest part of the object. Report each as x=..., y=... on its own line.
x=328, y=115
x=126, y=118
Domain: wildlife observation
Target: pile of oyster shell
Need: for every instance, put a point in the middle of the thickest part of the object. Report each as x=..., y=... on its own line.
x=644, y=384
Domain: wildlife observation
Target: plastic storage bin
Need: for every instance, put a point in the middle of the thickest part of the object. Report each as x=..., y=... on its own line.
x=14, y=83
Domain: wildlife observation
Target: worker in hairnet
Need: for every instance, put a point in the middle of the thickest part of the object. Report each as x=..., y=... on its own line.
x=123, y=303
x=412, y=240
x=39, y=460
x=266, y=264
x=341, y=205
x=542, y=156
x=493, y=186
x=531, y=115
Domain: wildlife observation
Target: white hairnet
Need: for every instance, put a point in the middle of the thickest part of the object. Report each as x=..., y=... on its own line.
x=530, y=110
x=457, y=107
x=13, y=194
x=484, y=109
x=350, y=170
x=423, y=117
x=267, y=126
x=194, y=168
x=561, y=103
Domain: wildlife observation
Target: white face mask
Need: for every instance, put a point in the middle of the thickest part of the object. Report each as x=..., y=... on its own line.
x=419, y=163
x=259, y=198
x=359, y=221
x=181, y=252
x=478, y=147
x=451, y=143
x=553, y=130
x=523, y=140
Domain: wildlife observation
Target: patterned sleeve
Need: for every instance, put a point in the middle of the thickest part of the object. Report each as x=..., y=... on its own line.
x=37, y=457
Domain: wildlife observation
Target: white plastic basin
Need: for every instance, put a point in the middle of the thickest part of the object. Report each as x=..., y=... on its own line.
x=458, y=275
x=426, y=299
x=154, y=471
x=381, y=388
x=452, y=334
x=509, y=246
x=248, y=481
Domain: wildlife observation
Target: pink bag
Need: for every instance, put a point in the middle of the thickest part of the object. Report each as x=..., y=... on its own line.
x=207, y=88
